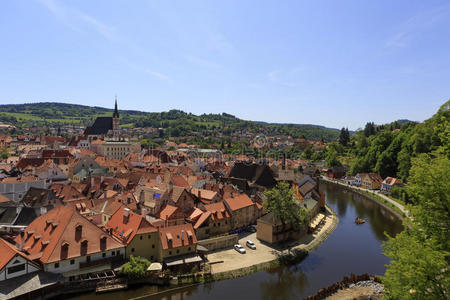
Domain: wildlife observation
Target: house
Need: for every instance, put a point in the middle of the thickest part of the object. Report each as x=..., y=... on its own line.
x=214, y=220
x=13, y=262
x=370, y=181
x=389, y=182
x=206, y=196
x=182, y=199
x=64, y=242
x=133, y=230
x=336, y=172
x=171, y=215
x=177, y=240
x=255, y=174
x=243, y=210
x=41, y=200
x=57, y=156
x=15, y=187
x=270, y=229
x=152, y=198
x=350, y=180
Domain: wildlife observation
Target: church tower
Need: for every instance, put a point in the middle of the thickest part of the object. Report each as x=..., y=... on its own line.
x=115, y=121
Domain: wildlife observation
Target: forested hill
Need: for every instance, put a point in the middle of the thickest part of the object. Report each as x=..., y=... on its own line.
x=389, y=149
x=177, y=122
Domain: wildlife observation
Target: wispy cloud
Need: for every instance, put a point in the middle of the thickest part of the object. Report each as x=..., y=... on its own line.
x=79, y=21
x=157, y=74
x=417, y=25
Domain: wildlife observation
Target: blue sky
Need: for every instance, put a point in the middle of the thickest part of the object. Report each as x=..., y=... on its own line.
x=334, y=63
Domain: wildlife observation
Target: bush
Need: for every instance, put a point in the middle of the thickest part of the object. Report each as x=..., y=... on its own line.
x=136, y=268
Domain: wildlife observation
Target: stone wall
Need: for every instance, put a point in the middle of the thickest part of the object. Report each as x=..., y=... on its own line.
x=220, y=242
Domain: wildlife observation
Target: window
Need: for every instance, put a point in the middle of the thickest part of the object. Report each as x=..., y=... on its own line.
x=103, y=254
x=16, y=269
x=132, y=249
x=153, y=246
x=118, y=252
x=113, y=253
x=178, y=251
x=72, y=261
x=189, y=249
x=56, y=265
x=140, y=237
x=170, y=252
x=149, y=236
x=88, y=258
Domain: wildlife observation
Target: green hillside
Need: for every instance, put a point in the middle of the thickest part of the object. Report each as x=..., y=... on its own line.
x=177, y=122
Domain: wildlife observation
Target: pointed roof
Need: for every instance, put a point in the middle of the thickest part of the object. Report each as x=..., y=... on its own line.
x=116, y=111
x=53, y=236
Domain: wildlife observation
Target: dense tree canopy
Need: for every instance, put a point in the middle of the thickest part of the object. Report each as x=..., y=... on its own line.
x=419, y=268
x=281, y=201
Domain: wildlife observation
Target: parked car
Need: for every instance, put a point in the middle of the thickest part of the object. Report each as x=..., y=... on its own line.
x=239, y=248
x=250, y=244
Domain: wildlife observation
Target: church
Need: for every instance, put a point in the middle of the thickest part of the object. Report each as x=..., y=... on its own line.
x=104, y=137
x=105, y=126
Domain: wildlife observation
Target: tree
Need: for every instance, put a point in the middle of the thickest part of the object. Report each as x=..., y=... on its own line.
x=331, y=160
x=344, y=137
x=419, y=267
x=369, y=129
x=281, y=201
x=135, y=268
x=308, y=152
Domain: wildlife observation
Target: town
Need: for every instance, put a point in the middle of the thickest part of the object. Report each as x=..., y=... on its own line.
x=77, y=212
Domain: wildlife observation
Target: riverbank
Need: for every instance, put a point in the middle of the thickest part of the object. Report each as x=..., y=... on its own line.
x=233, y=264
x=396, y=208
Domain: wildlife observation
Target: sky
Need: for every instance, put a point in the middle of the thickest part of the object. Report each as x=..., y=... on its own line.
x=333, y=63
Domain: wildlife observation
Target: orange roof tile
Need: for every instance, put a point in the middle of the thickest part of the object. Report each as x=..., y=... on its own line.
x=119, y=224
x=238, y=202
x=176, y=232
x=59, y=228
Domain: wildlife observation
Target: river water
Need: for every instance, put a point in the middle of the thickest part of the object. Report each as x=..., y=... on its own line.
x=349, y=249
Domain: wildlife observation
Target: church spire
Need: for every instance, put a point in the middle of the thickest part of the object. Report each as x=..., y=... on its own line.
x=116, y=111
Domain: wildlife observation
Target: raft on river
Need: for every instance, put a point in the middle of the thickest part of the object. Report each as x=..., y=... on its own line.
x=359, y=221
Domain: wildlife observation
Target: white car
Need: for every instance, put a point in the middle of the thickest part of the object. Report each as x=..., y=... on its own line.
x=239, y=248
x=250, y=244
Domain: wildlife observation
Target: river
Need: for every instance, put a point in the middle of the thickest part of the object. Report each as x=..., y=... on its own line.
x=350, y=248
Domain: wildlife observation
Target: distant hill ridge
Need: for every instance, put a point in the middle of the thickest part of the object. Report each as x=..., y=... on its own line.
x=29, y=114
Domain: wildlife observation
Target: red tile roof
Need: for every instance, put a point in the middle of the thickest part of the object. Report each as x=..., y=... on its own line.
x=171, y=236
x=179, y=180
x=54, y=236
x=238, y=202
x=167, y=212
x=8, y=252
x=125, y=228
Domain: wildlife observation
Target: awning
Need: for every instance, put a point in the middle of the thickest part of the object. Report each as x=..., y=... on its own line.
x=176, y=261
x=155, y=267
x=200, y=248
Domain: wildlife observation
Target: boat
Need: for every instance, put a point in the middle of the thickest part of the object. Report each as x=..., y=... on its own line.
x=359, y=221
x=106, y=287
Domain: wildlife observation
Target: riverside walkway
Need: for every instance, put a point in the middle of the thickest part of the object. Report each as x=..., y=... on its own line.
x=395, y=203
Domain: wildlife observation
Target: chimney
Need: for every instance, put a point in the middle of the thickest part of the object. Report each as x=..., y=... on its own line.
x=199, y=194
x=92, y=181
x=126, y=212
x=102, y=179
x=22, y=239
x=182, y=235
x=43, y=210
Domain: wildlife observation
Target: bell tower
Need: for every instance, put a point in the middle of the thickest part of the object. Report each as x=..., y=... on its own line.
x=115, y=121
